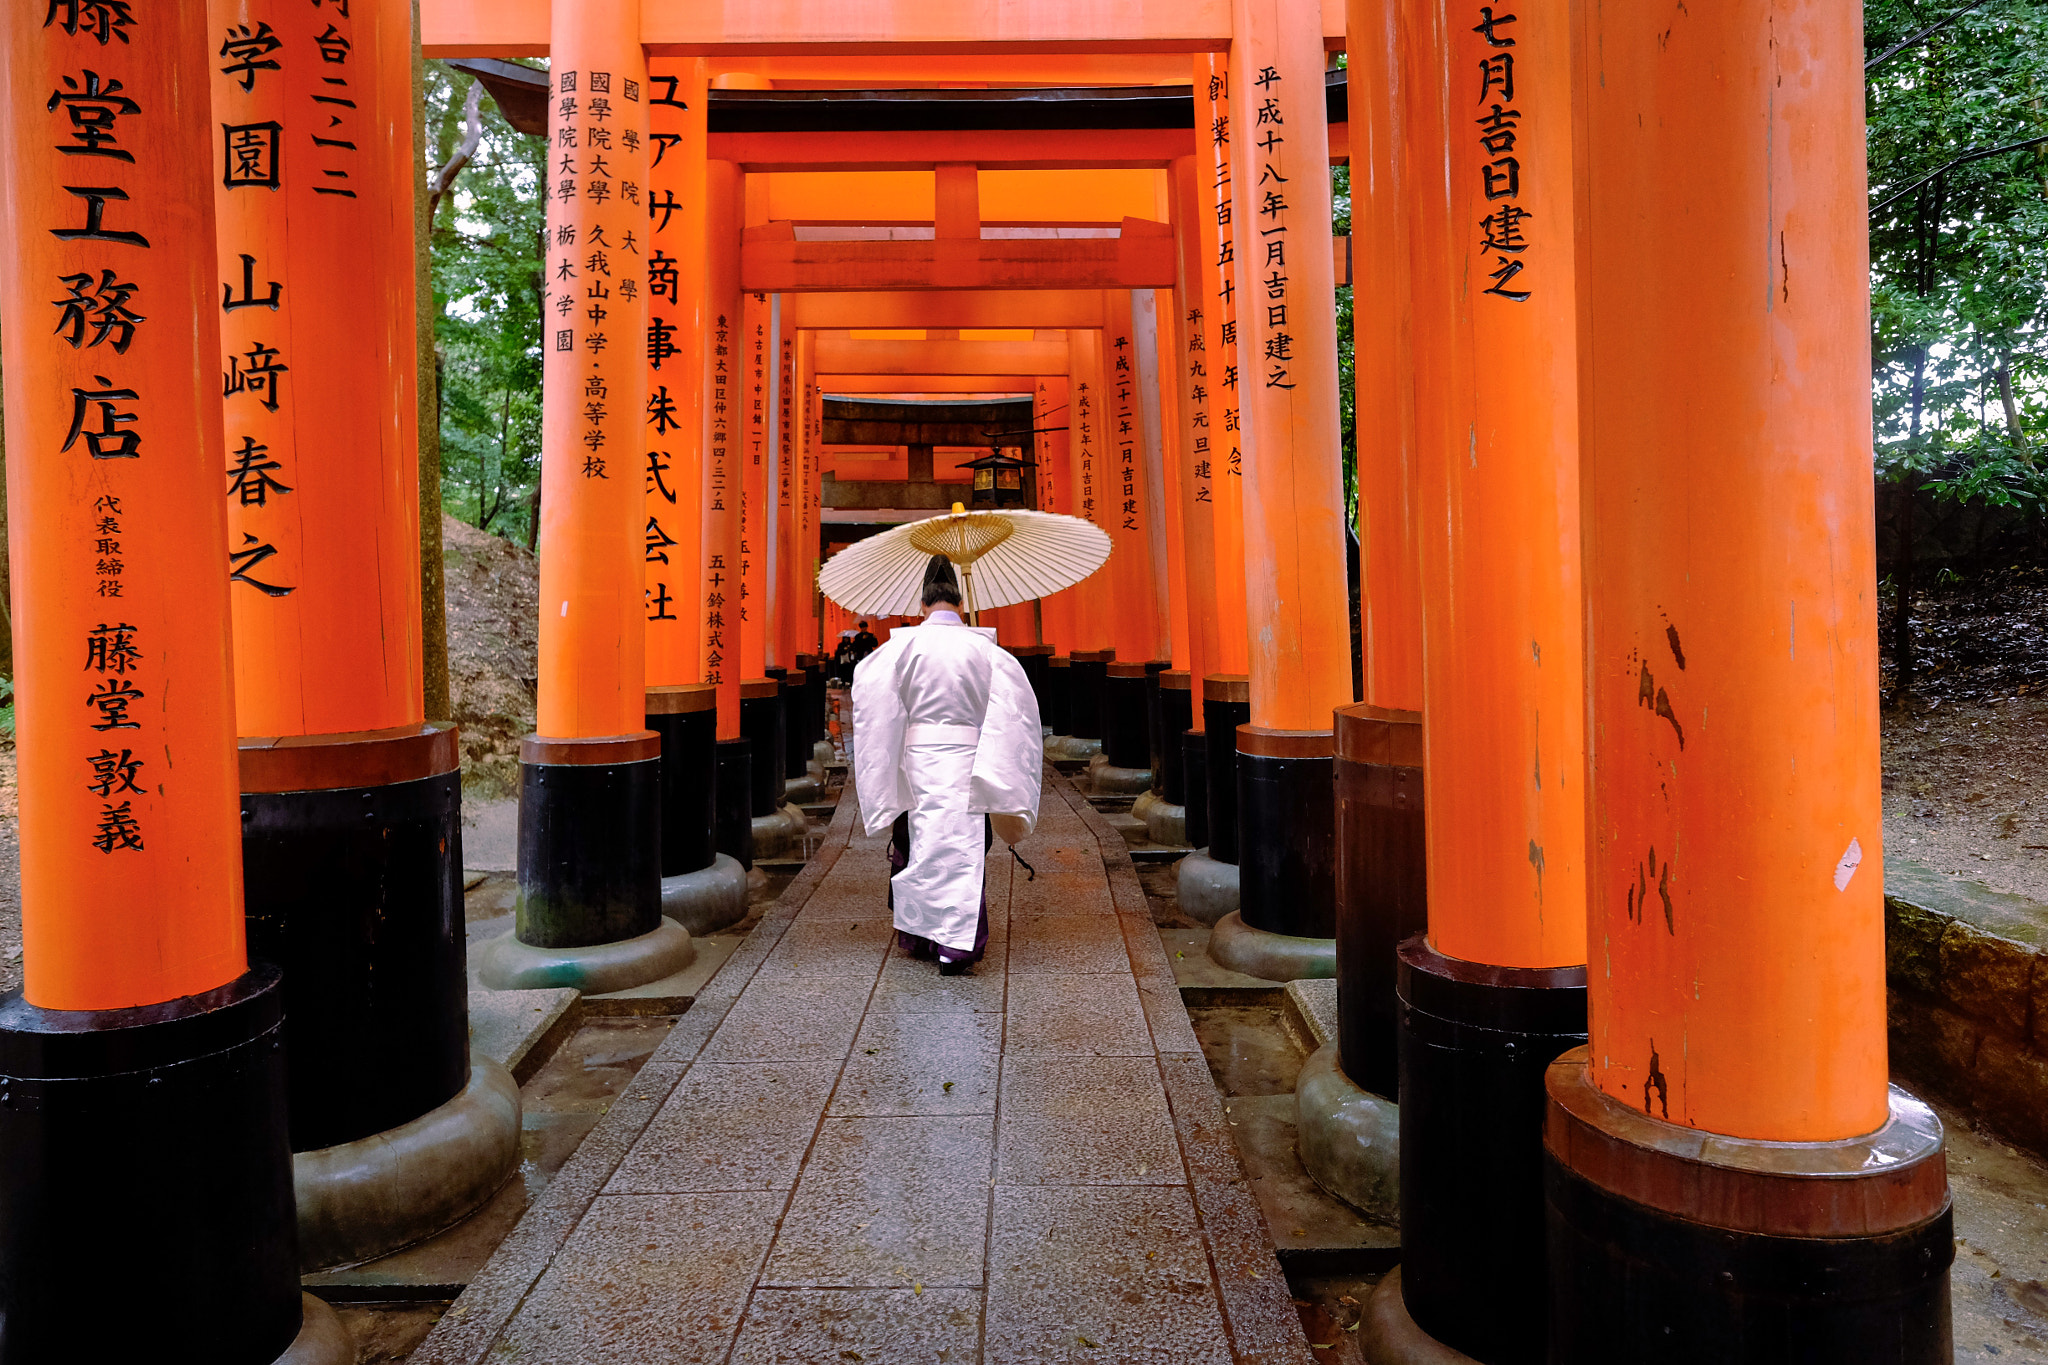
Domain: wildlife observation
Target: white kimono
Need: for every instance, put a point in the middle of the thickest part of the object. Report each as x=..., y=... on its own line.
x=945, y=726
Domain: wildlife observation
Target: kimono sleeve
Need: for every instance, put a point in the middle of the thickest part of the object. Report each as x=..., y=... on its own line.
x=1010, y=759
x=878, y=721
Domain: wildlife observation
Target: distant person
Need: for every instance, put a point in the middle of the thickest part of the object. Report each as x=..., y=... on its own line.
x=946, y=745
x=843, y=659
x=864, y=643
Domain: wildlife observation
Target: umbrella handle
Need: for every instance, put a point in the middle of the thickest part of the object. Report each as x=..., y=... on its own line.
x=967, y=582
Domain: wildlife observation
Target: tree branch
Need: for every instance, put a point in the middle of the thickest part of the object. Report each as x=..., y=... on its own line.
x=1965, y=159
x=1918, y=38
x=472, y=137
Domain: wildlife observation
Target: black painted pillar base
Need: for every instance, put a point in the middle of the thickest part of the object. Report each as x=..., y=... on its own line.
x=1742, y=1252
x=1155, y=733
x=1194, y=758
x=1034, y=660
x=1226, y=704
x=1126, y=724
x=1085, y=703
x=1380, y=883
x=1057, y=704
x=589, y=840
x=734, y=800
x=1475, y=1042
x=796, y=748
x=686, y=719
x=1287, y=824
x=352, y=876
x=1172, y=714
x=146, y=1205
x=762, y=721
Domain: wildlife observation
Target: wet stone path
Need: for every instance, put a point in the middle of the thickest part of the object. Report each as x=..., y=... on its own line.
x=840, y=1156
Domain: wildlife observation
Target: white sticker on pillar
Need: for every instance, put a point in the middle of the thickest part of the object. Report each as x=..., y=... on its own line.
x=1852, y=858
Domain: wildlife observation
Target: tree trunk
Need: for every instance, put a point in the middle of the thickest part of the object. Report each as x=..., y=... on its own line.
x=433, y=600
x=1902, y=572
x=2013, y=428
x=453, y=161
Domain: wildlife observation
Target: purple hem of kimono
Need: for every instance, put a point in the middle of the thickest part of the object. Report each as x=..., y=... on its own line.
x=919, y=946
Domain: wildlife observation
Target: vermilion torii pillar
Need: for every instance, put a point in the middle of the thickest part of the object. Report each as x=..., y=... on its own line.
x=1121, y=494
x=701, y=889
x=1192, y=503
x=1496, y=987
x=777, y=828
x=140, y=1017
x=351, y=802
x=1208, y=878
x=1728, y=1178
x=1346, y=1125
x=1297, y=602
x=1094, y=645
x=589, y=910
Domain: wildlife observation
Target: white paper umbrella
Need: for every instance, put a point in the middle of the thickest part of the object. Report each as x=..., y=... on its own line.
x=1004, y=557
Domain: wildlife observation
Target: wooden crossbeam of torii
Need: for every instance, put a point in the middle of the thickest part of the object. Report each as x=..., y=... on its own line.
x=1006, y=308
x=772, y=260
x=836, y=356
x=752, y=28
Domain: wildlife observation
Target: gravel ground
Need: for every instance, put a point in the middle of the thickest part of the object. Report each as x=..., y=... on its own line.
x=1966, y=791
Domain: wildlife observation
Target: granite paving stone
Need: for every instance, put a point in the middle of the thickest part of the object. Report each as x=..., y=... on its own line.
x=832, y=947
x=646, y=1278
x=837, y=1326
x=889, y=1201
x=1100, y=1275
x=1085, y=1121
x=1067, y=943
x=788, y=1018
x=741, y=1126
x=905, y=1063
x=1076, y=1014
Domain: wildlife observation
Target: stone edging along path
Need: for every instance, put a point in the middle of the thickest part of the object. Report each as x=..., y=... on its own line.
x=1967, y=974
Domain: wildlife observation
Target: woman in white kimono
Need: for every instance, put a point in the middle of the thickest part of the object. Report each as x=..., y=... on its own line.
x=946, y=731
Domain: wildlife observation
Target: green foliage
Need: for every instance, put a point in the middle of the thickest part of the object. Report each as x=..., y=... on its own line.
x=1959, y=257
x=487, y=254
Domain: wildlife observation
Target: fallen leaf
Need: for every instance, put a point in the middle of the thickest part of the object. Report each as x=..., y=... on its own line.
x=1085, y=1341
x=851, y=1355
x=949, y=1087
x=916, y=1288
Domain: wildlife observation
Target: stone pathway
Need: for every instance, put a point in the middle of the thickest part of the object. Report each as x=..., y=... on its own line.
x=840, y=1156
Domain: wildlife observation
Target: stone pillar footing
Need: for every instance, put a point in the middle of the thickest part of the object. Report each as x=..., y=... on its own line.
x=322, y=1340
x=708, y=899
x=1166, y=823
x=1388, y=1336
x=1269, y=956
x=1207, y=887
x=800, y=790
x=1679, y=1246
x=823, y=753
x=1106, y=779
x=360, y=1200
x=780, y=837
x=664, y=950
x=1349, y=1139
x=1068, y=749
